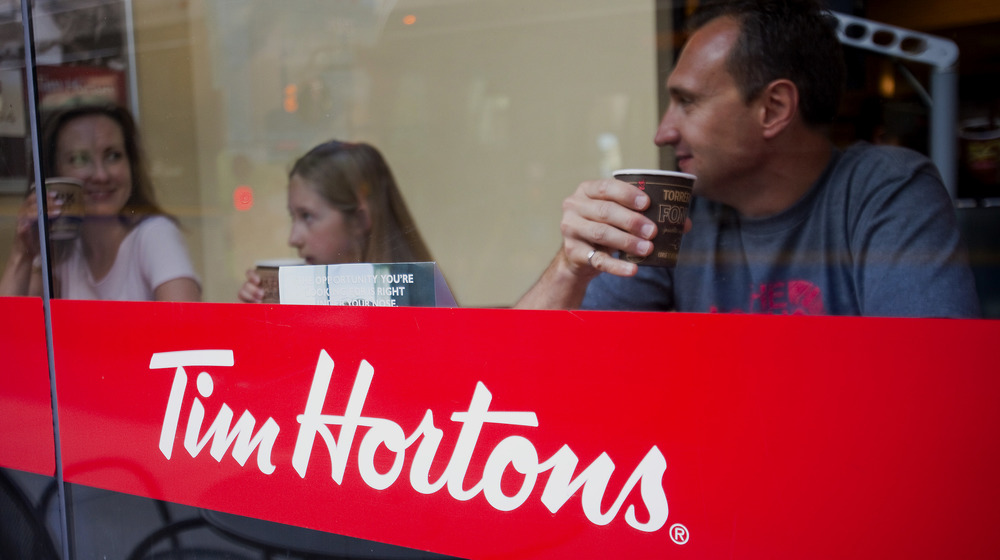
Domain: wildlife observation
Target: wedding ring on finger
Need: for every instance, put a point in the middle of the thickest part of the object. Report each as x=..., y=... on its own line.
x=590, y=256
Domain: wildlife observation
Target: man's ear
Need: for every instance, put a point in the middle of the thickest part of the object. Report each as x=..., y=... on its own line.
x=779, y=104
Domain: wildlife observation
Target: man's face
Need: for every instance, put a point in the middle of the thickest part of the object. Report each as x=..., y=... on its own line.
x=715, y=135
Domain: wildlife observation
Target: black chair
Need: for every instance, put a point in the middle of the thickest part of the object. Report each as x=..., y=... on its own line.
x=23, y=535
x=150, y=548
x=266, y=540
x=981, y=229
x=277, y=539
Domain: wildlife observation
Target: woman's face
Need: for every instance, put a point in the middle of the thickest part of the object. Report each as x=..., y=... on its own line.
x=321, y=233
x=91, y=148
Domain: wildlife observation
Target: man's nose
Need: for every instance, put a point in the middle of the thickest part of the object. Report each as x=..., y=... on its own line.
x=666, y=133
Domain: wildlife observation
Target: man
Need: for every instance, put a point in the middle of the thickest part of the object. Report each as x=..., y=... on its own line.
x=782, y=222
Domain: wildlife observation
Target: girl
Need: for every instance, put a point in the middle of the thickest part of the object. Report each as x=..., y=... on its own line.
x=345, y=208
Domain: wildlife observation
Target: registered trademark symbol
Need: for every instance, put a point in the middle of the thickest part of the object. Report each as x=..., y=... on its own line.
x=679, y=533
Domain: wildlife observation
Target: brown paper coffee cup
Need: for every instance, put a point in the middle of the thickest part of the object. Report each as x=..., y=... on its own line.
x=670, y=197
x=268, y=272
x=69, y=192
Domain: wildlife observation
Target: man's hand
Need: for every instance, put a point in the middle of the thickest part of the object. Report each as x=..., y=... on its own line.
x=601, y=217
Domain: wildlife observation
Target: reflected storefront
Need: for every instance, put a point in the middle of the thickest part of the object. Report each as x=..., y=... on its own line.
x=202, y=427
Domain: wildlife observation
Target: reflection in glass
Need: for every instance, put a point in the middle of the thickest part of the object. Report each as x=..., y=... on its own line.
x=25, y=501
x=125, y=247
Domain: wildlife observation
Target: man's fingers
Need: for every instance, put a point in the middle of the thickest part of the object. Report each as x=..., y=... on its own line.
x=625, y=194
x=603, y=261
x=593, y=234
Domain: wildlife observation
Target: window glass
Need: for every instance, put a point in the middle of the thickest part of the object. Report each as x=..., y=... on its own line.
x=488, y=113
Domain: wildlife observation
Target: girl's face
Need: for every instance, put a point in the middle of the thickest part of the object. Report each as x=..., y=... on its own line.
x=321, y=233
x=92, y=149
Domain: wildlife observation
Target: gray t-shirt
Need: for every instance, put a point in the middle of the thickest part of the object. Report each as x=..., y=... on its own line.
x=875, y=236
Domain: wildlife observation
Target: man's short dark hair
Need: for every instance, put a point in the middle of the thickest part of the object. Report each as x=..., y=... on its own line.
x=784, y=39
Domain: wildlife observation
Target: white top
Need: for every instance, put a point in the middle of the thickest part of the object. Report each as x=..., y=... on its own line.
x=151, y=254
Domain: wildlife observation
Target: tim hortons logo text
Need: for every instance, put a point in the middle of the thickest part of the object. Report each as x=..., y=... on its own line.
x=515, y=451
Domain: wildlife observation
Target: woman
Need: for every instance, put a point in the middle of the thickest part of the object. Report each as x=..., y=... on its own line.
x=345, y=208
x=127, y=248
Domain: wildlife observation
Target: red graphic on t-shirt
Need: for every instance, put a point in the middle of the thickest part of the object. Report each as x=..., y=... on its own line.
x=795, y=297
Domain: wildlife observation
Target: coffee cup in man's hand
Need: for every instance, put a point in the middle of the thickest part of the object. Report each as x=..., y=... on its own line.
x=669, y=199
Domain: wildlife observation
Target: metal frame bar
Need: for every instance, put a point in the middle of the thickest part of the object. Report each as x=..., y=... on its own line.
x=31, y=82
x=942, y=55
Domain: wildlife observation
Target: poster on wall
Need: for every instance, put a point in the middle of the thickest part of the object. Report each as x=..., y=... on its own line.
x=81, y=54
x=13, y=143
